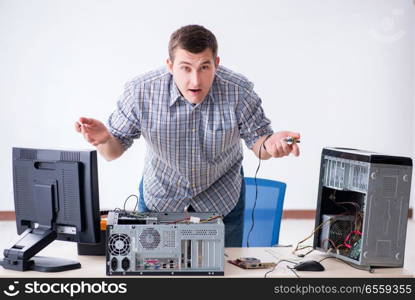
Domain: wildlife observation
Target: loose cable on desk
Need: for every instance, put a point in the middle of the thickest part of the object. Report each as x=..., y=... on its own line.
x=292, y=270
x=276, y=264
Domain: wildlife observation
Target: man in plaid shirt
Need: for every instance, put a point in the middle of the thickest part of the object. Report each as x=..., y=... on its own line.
x=192, y=114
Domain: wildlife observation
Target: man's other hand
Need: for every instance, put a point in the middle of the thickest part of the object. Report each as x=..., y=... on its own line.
x=94, y=131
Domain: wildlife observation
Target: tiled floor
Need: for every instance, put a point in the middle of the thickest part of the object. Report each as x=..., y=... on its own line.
x=292, y=231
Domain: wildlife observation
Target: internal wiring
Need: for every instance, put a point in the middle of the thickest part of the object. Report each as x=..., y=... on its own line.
x=298, y=248
x=187, y=220
x=332, y=243
x=358, y=219
x=211, y=219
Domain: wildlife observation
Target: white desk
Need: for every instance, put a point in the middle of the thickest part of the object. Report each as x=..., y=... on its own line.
x=94, y=266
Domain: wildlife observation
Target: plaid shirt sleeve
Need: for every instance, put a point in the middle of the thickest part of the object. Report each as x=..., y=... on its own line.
x=124, y=122
x=252, y=121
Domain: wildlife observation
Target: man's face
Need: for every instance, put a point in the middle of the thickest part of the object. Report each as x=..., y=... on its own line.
x=193, y=73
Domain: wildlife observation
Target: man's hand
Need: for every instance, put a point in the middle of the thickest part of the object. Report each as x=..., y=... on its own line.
x=94, y=131
x=275, y=145
x=97, y=134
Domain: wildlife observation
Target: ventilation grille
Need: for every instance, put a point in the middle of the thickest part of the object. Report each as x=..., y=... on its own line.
x=70, y=156
x=169, y=239
x=23, y=201
x=192, y=232
x=70, y=195
x=119, y=244
x=342, y=173
x=359, y=177
x=149, y=238
x=28, y=154
x=390, y=186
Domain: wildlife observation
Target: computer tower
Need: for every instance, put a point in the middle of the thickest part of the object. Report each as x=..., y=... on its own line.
x=362, y=206
x=153, y=243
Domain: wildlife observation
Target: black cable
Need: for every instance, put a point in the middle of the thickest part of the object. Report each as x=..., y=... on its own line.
x=302, y=255
x=256, y=192
x=369, y=269
x=136, y=204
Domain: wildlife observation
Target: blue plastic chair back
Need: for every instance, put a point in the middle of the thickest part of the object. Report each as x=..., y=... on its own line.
x=267, y=213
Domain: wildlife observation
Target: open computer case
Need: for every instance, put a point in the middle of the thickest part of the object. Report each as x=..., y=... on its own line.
x=362, y=206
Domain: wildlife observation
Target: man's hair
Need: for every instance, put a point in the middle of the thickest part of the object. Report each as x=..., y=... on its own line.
x=193, y=38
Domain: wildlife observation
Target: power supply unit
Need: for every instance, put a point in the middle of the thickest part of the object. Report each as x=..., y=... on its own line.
x=334, y=230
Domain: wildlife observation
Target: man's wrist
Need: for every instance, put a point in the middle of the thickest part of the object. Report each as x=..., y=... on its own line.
x=108, y=139
x=105, y=142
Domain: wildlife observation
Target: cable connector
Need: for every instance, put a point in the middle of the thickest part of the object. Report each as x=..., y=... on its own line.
x=194, y=220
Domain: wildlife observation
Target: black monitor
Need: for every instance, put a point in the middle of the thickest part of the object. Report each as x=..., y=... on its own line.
x=56, y=198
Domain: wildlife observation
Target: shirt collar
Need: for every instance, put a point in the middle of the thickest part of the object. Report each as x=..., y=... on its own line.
x=174, y=92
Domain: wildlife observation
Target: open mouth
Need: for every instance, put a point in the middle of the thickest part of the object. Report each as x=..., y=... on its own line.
x=195, y=91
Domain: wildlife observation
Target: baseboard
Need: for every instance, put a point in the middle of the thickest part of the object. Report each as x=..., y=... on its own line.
x=311, y=214
x=287, y=214
x=7, y=215
x=299, y=214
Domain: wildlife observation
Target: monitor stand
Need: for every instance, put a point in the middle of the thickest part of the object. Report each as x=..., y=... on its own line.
x=21, y=257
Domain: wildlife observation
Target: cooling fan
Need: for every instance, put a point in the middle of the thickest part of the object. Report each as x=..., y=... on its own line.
x=149, y=238
x=119, y=244
x=339, y=230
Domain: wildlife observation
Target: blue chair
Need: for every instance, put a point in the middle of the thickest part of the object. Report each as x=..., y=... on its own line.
x=267, y=213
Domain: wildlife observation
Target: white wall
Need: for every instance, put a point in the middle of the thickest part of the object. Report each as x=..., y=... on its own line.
x=339, y=72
